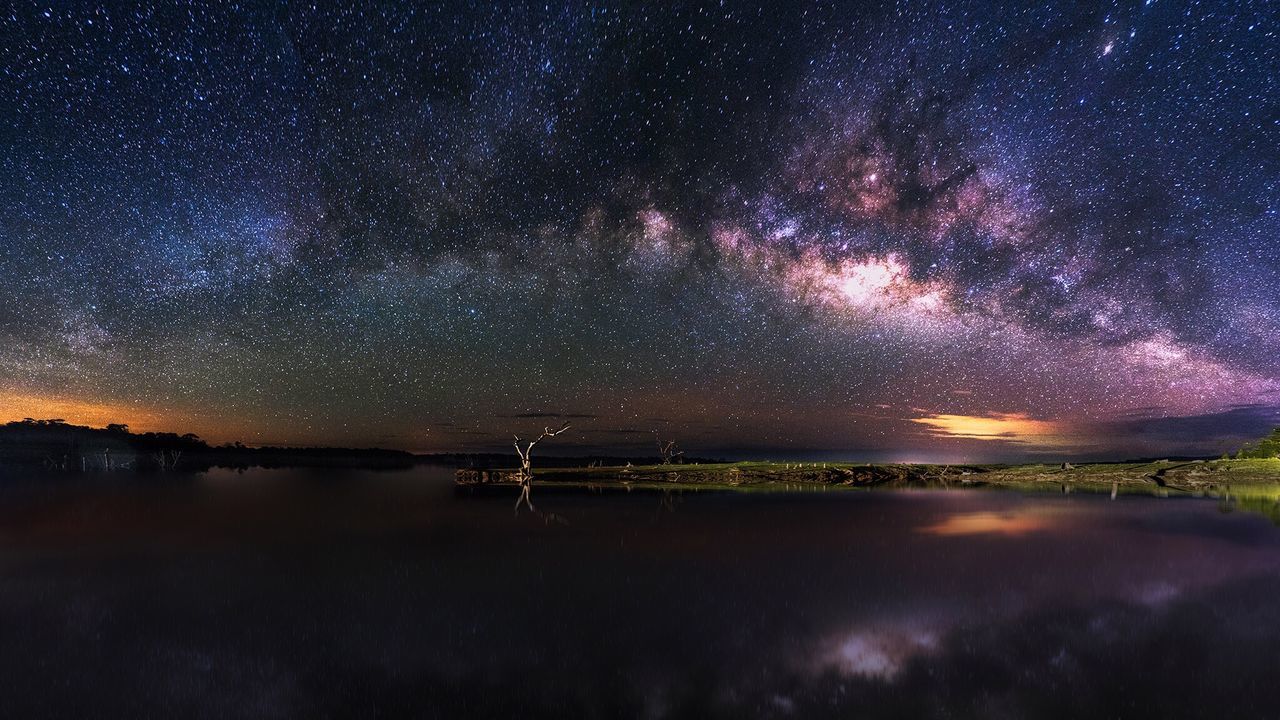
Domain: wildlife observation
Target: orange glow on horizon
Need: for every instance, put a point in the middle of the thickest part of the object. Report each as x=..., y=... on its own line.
x=143, y=418
x=1007, y=427
x=15, y=406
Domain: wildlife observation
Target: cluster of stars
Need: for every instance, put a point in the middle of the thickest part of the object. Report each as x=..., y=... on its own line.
x=806, y=229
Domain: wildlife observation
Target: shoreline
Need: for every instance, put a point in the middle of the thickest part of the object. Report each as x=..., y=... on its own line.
x=1164, y=477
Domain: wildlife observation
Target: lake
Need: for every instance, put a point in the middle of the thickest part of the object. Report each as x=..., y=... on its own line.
x=307, y=593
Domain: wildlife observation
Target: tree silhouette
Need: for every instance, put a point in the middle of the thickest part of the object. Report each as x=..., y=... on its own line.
x=667, y=450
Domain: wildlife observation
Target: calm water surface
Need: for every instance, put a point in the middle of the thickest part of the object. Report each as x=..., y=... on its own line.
x=292, y=593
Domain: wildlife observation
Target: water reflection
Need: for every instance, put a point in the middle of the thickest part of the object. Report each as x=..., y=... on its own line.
x=879, y=652
x=303, y=594
x=990, y=523
x=1266, y=504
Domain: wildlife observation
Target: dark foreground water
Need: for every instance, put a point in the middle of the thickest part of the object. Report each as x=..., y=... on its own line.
x=360, y=594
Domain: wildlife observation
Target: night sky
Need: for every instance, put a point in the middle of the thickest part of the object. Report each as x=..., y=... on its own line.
x=919, y=231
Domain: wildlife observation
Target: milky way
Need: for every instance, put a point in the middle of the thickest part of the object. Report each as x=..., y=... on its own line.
x=921, y=231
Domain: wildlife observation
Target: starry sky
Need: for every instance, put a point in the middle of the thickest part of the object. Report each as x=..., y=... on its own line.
x=915, y=231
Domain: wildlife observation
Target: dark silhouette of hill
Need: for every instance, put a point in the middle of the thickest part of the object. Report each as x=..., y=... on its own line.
x=56, y=445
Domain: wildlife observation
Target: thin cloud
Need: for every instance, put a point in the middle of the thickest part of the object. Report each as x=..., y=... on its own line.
x=1012, y=428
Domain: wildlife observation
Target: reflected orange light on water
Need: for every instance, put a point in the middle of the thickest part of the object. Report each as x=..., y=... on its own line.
x=988, y=523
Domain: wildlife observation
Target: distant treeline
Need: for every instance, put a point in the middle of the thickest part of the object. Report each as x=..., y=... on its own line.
x=1267, y=447
x=56, y=445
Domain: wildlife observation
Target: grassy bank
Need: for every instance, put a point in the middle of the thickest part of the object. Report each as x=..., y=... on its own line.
x=1259, y=478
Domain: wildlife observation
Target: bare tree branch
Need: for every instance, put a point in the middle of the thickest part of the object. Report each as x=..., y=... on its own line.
x=526, y=464
x=667, y=449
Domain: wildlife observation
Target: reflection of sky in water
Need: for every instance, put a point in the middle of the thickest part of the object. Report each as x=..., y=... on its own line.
x=291, y=593
x=989, y=523
x=879, y=652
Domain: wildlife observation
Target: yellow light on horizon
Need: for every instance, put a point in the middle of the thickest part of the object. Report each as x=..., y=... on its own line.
x=140, y=417
x=1006, y=427
x=16, y=406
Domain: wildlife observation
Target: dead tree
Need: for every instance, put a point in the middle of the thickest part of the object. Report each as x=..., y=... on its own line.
x=667, y=450
x=526, y=468
x=167, y=459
